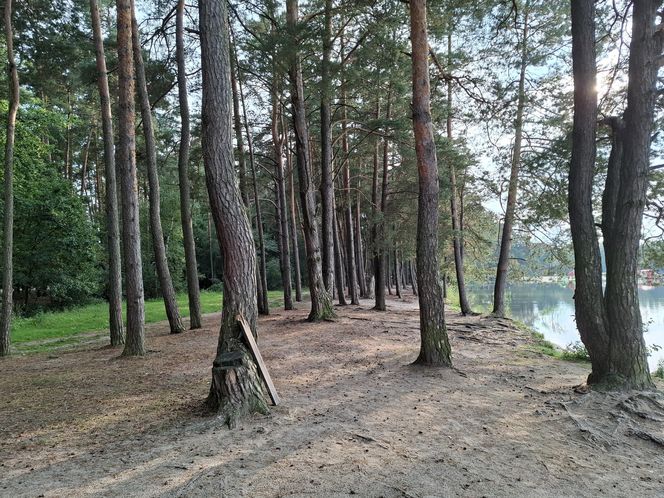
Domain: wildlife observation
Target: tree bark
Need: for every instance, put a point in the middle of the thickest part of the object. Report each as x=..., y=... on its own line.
x=154, y=197
x=628, y=353
x=8, y=223
x=117, y=332
x=321, y=303
x=237, y=125
x=280, y=187
x=397, y=274
x=126, y=160
x=293, y=221
x=191, y=264
x=338, y=261
x=359, y=249
x=326, y=185
x=457, y=228
x=235, y=391
x=435, y=347
x=506, y=240
x=263, y=303
x=378, y=229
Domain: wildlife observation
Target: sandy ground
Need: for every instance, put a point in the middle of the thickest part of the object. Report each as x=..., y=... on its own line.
x=355, y=418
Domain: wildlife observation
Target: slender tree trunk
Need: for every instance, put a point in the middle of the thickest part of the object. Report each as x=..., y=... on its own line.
x=321, y=303
x=126, y=159
x=397, y=275
x=154, y=197
x=326, y=185
x=457, y=238
x=338, y=264
x=86, y=156
x=262, y=293
x=8, y=226
x=378, y=228
x=237, y=121
x=628, y=357
x=388, y=272
x=280, y=187
x=112, y=218
x=293, y=221
x=435, y=347
x=351, y=262
x=506, y=240
x=413, y=277
x=236, y=389
x=359, y=249
x=191, y=265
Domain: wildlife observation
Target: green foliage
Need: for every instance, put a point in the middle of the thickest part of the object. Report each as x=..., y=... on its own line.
x=56, y=249
x=659, y=371
x=575, y=351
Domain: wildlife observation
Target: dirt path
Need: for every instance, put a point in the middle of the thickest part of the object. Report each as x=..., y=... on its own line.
x=356, y=418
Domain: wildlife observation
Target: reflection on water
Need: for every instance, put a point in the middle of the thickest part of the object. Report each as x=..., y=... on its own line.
x=549, y=309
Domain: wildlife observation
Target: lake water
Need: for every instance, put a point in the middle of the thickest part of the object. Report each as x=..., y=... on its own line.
x=549, y=309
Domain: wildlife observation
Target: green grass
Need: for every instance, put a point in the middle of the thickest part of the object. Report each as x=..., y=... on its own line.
x=60, y=326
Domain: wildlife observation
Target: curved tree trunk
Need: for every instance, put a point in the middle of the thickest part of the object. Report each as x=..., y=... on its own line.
x=161, y=260
x=126, y=160
x=236, y=389
x=8, y=226
x=435, y=347
x=193, y=290
x=321, y=303
x=506, y=240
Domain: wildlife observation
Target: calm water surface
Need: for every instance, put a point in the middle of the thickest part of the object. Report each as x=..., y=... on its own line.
x=549, y=309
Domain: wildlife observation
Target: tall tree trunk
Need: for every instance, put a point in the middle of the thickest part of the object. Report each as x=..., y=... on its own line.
x=359, y=250
x=397, y=274
x=378, y=229
x=457, y=228
x=321, y=303
x=338, y=260
x=126, y=159
x=280, y=187
x=326, y=185
x=627, y=353
x=413, y=277
x=235, y=390
x=237, y=121
x=263, y=303
x=388, y=272
x=112, y=217
x=86, y=156
x=8, y=226
x=191, y=265
x=293, y=222
x=506, y=240
x=435, y=347
x=351, y=262
x=154, y=197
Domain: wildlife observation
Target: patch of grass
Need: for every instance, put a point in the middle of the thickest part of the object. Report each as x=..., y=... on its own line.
x=58, y=326
x=659, y=371
x=543, y=346
x=575, y=351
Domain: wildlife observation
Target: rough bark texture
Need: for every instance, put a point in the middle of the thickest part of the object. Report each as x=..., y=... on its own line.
x=112, y=218
x=434, y=347
x=237, y=126
x=326, y=185
x=610, y=325
x=154, y=197
x=235, y=390
x=8, y=223
x=191, y=264
x=321, y=303
x=627, y=353
x=508, y=223
x=126, y=160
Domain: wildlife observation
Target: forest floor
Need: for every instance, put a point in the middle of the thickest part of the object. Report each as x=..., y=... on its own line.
x=355, y=419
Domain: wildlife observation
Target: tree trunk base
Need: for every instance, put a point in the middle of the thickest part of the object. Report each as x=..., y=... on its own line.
x=618, y=382
x=237, y=388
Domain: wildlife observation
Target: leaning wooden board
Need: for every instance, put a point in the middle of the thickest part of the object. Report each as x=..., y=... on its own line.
x=259, y=359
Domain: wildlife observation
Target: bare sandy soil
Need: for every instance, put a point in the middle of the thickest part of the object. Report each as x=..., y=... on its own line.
x=355, y=418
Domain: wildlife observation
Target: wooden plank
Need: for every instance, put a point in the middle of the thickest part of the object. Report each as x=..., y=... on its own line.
x=259, y=359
